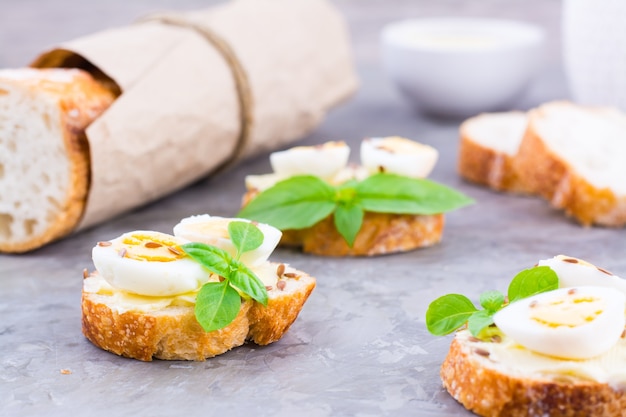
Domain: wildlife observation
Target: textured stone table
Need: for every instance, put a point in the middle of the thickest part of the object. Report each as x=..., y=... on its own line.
x=359, y=347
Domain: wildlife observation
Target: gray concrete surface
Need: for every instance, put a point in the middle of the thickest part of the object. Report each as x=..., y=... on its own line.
x=359, y=347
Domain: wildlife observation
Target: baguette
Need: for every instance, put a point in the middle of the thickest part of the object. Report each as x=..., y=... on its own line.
x=173, y=333
x=50, y=111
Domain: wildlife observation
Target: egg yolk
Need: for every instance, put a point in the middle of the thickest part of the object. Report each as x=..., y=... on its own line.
x=570, y=311
x=150, y=248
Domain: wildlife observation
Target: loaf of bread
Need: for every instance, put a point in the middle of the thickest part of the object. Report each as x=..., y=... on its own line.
x=44, y=154
x=172, y=331
x=570, y=155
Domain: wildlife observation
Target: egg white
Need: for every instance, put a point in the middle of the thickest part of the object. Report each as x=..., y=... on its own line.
x=147, y=277
x=398, y=155
x=324, y=160
x=573, y=272
x=582, y=341
x=213, y=230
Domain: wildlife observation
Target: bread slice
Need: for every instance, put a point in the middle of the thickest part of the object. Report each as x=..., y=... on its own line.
x=575, y=157
x=488, y=145
x=380, y=234
x=493, y=384
x=172, y=332
x=44, y=154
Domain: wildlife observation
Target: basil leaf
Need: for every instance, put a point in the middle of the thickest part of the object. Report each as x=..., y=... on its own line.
x=390, y=193
x=532, y=281
x=245, y=236
x=295, y=203
x=217, y=305
x=244, y=280
x=212, y=258
x=348, y=221
x=492, y=300
x=447, y=313
x=478, y=321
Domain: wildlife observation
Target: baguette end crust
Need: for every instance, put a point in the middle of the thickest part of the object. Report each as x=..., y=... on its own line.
x=173, y=333
x=473, y=381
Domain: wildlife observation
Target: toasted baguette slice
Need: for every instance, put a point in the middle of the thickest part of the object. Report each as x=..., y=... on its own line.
x=575, y=157
x=493, y=384
x=488, y=144
x=172, y=332
x=44, y=154
x=380, y=234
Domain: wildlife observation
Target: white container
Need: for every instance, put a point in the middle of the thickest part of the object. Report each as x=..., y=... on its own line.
x=461, y=66
x=594, y=51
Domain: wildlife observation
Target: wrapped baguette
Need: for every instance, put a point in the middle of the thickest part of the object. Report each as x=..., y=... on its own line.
x=194, y=92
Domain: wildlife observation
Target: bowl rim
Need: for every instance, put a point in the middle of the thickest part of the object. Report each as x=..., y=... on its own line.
x=506, y=33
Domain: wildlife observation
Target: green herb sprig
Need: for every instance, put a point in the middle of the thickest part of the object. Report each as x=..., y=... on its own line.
x=302, y=201
x=218, y=303
x=450, y=312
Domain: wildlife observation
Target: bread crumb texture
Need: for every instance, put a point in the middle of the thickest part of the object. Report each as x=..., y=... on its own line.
x=44, y=153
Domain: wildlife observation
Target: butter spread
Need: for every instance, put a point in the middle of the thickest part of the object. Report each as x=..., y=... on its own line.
x=123, y=301
x=513, y=359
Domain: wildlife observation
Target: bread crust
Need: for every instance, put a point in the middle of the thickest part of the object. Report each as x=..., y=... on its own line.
x=79, y=103
x=173, y=332
x=471, y=379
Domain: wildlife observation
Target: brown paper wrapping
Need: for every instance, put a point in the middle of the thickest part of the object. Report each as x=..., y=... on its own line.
x=180, y=117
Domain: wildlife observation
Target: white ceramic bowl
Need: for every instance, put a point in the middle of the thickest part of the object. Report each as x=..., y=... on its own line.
x=459, y=67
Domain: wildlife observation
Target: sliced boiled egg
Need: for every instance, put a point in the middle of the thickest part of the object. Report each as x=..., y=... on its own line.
x=568, y=323
x=574, y=272
x=213, y=231
x=323, y=160
x=148, y=263
x=397, y=155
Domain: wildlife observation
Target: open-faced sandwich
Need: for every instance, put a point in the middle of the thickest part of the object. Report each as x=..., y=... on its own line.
x=191, y=295
x=328, y=207
x=554, y=346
